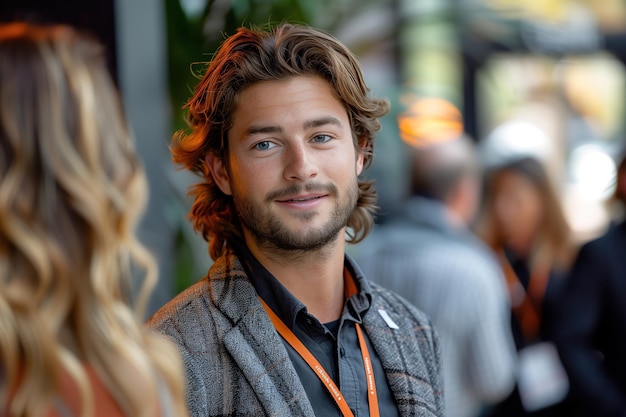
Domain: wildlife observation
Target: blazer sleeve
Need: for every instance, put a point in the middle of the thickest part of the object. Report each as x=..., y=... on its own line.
x=579, y=314
x=195, y=389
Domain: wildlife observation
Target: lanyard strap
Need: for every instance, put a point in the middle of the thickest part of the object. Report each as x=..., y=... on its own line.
x=319, y=370
x=372, y=397
x=526, y=304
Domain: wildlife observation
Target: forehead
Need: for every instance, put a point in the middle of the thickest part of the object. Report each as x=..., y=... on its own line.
x=513, y=181
x=291, y=100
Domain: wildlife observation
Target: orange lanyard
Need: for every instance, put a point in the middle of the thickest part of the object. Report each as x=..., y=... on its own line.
x=319, y=370
x=526, y=305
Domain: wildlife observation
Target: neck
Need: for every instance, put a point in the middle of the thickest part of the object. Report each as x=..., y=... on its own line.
x=315, y=277
x=454, y=218
x=460, y=210
x=521, y=247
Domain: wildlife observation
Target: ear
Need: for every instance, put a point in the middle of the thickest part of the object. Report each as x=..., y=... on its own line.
x=219, y=173
x=360, y=156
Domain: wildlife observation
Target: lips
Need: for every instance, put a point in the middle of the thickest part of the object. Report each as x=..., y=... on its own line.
x=300, y=199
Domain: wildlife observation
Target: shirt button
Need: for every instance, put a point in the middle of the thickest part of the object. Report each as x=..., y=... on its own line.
x=342, y=353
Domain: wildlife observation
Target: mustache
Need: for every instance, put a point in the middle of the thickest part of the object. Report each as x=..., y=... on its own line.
x=330, y=189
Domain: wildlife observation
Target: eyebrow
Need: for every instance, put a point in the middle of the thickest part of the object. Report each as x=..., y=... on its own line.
x=322, y=121
x=253, y=130
x=309, y=124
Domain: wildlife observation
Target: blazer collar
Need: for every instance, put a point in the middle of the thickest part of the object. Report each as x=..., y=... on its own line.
x=401, y=355
x=259, y=352
x=253, y=343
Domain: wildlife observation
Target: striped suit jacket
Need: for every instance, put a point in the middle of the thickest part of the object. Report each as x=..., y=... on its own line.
x=237, y=365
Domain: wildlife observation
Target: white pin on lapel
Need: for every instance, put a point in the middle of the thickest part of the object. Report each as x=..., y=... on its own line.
x=388, y=320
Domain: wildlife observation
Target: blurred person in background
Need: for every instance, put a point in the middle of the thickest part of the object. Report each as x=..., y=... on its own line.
x=71, y=192
x=523, y=222
x=590, y=329
x=431, y=257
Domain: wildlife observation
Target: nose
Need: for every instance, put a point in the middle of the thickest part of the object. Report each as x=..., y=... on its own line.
x=300, y=163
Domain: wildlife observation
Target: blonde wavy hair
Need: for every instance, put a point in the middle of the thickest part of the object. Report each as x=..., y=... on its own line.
x=254, y=55
x=71, y=192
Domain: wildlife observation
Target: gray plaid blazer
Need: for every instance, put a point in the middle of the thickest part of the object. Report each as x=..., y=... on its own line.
x=236, y=363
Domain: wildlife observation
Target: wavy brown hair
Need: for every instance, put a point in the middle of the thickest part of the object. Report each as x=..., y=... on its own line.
x=71, y=192
x=254, y=55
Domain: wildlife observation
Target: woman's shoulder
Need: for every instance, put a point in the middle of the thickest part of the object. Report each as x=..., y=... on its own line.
x=69, y=401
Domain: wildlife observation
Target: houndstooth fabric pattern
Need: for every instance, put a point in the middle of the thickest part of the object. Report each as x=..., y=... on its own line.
x=237, y=365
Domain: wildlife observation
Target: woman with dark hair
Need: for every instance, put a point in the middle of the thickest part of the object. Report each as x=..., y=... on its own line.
x=523, y=222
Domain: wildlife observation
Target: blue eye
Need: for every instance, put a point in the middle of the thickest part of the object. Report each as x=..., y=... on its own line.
x=321, y=138
x=264, y=146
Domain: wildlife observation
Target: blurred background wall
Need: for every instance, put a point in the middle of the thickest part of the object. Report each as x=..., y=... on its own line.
x=539, y=77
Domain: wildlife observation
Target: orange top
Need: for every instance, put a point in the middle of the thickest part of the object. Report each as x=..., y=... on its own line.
x=69, y=404
x=526, y=304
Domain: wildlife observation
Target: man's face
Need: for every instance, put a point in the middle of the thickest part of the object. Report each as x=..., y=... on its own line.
x=293, y=166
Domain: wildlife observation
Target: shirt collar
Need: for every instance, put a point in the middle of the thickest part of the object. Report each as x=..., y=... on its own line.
x=360, y=302
x=286, y=306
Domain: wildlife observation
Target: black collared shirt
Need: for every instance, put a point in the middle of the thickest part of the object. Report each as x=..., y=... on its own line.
x=335, y=345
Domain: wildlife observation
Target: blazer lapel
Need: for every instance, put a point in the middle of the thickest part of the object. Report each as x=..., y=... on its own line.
x=400, y=352
x=255, y=346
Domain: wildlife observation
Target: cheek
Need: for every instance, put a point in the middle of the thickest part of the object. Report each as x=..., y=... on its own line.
x=523, y=214
x=246, y=179
x=511, y=214
x=503, y=209
x=534, y=212
x=340, y=163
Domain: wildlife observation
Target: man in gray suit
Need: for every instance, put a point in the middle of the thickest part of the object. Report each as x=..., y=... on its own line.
x=285, y=324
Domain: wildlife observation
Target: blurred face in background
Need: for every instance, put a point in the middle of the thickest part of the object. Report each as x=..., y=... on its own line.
x=518, y=208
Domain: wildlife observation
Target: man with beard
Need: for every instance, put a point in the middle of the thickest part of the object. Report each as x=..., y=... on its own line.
x=285, y=324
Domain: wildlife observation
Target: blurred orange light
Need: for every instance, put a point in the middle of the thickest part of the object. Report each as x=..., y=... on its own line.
x=429, y=121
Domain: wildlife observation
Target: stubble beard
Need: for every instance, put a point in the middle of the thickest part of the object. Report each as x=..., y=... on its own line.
x=270, y=232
